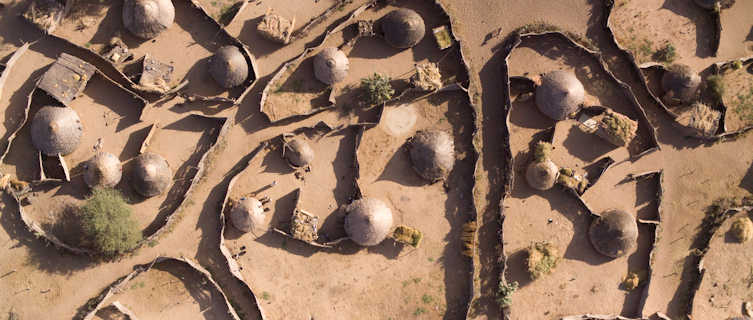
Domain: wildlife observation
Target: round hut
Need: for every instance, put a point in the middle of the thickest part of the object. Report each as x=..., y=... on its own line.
x=228, y=67
x=542, y=175
x=103, y=170
x=403, y=28
x=298, y=153
x=151, y=175
x=432, y=154
x=614, y=234
x=248, y=215
x=707, y=4
x=56, y=130
x=368, y=221
x=680, y=84
x=331, y=66
x=148, y=18
x=559, y=95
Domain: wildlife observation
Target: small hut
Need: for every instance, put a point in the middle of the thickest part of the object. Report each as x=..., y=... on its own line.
x=148, y=18
x=151, y=175
x=432, y=153
x=368, y=221
x=248, y=215
x=403, y=28
x=228, y=67
x=614, y=234
x=56, y=130
x=541, y=175
x=331, y=66
x=298, y=152
x=103, y=170
x=680, y=84
x=559, y=95
x=699, y=120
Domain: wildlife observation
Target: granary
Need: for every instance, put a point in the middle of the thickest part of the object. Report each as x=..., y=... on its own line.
x=559, y=95
x=151, y=175
x=403, y=28
x=331, y=66
x=66, y=78
x=298, y=152
x=248, y=215
x=611, y=126
x=368, y=221
x=155, y=75
x=103, y=170
x=699, y=120
x=275, y=27
x=542, y=175
x=680, y=84
x=614, y=234
x=146, y=19
x=432, y=153
x=56, y=130
x=228, y=67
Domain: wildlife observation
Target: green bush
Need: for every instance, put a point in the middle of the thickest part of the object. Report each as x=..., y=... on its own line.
x=107, y=223
x=504, y=293
x=377, y=89
x=666, y=54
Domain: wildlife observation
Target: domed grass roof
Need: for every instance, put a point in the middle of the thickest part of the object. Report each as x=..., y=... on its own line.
x=368, y=221
x=542, y=175
x=151, y=175
x=228, y=67
x=559, y=95
x=403, y=28
x=331, y=65
x=432, y=153
x=56, y=130
x=148, y=18
x=680, y=84
x=103, y=170
x=248, y=215
x=614, y=234
x=298, y=153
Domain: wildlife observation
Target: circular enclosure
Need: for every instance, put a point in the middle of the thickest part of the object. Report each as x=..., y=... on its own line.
x=542, y=175
x=148, y=18
x=331, y=66
x=680, y=84
x=298, y=153
x=432, y=154
x=103, y=170
x=56, y=130
x=614, y=234
x=228, y=67
x=368, y=221
x=403, y=28
x=559, y=95
x=248, y=215
x=151, y=175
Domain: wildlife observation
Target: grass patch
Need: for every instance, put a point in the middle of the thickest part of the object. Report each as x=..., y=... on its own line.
x=408, y=235
x=427, y=298
x=107, y=223
x=419, y=311
x=266, y=296
x=542, y=259
x=715, y=86
x=504, y=293
x=744, y=105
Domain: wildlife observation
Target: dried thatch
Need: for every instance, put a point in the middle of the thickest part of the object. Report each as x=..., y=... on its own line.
x=298, y=152
x=427, y=77
x=403, y=28
x=331, y=65
x=275, y=27
x=56, y=130
x=45, y=14
x=559, y=95
x=248, y=216
x=742, y=229
x=368, y=221
x=103, y=170
x=228, y=67
x=680, y=84
x=699, y=120
x=617, y=129
x=432, y=153
x=541, y=175
x=151, y=175
x=614, y=234
x=148, y=18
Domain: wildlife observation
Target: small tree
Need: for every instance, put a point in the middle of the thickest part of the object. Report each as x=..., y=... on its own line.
x=504, y=293
x=377, y=89
x=107, y=223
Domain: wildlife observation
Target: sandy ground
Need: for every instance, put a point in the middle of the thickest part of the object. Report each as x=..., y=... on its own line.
x=738, y=98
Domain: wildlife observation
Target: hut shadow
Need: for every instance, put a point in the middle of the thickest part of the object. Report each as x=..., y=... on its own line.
x=584, y=146
x=400, y=170
x=133, y=144
x=248, y=114
x=112, y=26
x=749, y=37
x=525, y=114
x=116, y=100
x=517, y=268
x=638, y=261
x=281, y=216
x=274, y=162
x=22, y=154
x=646, y=200
x=200, y=82
x=203, y=294
x=373, y=48
x=703, y=24
x=13, y=28
x=345, y=188
x=261, y=47
x=17, y=103
x=580, y=247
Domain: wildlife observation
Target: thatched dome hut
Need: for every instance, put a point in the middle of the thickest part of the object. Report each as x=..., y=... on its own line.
x=559, y=95
x=228, y=67
x=151, y=175
x=680, y=84
x=331, y=66
x=248, y=215
x=432, y=153
x=368, y=221
x=56, y=130
x=614, y=234
x=542, y=175
x=103, y=170
x=403, y=28
x=148, y=18
x=298, y=153
x=707, y=4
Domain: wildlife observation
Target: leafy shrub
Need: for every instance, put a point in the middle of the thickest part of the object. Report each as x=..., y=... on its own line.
x=737, y=65
x=716, y=88
x=504, y=293
x=377, y=89
x=542, y=259
x=107, y=223
x=666, y=54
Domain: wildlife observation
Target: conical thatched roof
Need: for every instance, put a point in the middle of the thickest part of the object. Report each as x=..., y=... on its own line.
x=331, y=66
x=541, y=175
x=151, y=175
x=147, y=18
x=368, y=221
x=56, y=130
x=559, y=95
x=103, y=170
x=228, y=67
x=614, y=234
x=403, y=28
x=432, y=153
x=298, y=152
x=680, y=84
x=707, y=4
x=248, y=215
